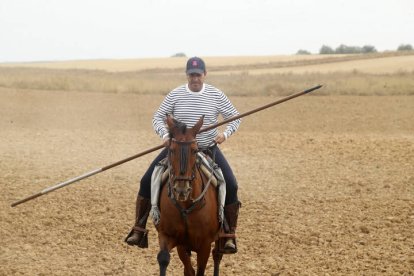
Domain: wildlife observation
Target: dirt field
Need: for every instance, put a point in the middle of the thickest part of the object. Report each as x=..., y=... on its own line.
x=326, y=182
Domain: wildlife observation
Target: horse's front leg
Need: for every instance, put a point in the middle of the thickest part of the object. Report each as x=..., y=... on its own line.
x=185, y=258
x=163, y=256
x=217, y=256
x=202, y=258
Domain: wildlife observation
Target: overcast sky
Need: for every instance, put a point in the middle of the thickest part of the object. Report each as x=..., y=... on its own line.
x=38, y=30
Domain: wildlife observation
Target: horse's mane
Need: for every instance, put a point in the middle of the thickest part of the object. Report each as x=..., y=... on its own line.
x=182, y=127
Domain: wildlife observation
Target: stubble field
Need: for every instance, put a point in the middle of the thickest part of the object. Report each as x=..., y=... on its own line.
x=326, y=183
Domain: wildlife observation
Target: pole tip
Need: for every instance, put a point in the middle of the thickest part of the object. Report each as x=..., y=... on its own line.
x=313, y=88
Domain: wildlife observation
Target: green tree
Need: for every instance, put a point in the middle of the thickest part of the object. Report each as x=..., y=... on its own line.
x=368, y=49
x=405, y=47
x=303, y=52
x=343, y=49
x=326, y=50
x=179, y=55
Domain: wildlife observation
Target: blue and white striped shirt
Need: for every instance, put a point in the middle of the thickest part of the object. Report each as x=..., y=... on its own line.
x=187, y=107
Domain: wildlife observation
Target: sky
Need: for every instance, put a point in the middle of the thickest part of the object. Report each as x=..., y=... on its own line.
x=48, y=30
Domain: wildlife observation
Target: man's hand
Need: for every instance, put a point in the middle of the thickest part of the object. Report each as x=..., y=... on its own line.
x=220, y=138
x=166, y=141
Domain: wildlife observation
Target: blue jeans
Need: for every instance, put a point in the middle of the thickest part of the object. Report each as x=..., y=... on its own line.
x=231, y=182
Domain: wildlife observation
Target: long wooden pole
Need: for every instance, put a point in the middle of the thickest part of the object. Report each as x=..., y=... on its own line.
x=261, y=108
x=83, y=176
x=99, y=170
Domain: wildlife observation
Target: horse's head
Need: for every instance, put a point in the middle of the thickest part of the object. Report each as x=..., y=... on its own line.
x=182, y=157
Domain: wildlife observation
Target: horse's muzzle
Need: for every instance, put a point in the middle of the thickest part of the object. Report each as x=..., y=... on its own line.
x=182, y=190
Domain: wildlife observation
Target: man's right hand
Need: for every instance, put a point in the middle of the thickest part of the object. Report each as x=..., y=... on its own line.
x=166, y=141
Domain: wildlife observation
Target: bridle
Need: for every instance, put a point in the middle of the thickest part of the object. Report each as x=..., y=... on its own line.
x=181, y=175
x=184, y=148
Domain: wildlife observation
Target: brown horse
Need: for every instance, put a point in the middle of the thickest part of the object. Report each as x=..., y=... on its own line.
x=188, y=205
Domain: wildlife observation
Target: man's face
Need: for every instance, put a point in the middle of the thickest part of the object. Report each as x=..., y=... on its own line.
x=195, y=81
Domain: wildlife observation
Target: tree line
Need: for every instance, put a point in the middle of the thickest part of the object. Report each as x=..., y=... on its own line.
x=344, y=49
x=341, y=49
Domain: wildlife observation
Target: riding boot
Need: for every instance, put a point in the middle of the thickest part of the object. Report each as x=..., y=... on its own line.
x=139, y=235
x=231, y=213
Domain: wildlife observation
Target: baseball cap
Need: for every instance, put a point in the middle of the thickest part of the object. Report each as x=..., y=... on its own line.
x=195, y=65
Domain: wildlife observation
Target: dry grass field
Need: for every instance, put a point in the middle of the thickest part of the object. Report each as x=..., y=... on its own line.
x=326, y=180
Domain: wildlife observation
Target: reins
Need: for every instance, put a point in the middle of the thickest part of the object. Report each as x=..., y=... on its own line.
x=208, y=182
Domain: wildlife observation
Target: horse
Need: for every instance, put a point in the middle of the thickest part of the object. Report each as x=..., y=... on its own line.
x=188, y=205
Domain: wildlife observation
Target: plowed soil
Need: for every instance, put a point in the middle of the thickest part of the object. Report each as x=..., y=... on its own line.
x=326, y=183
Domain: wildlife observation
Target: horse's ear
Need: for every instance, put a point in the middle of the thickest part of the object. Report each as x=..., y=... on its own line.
x=198, y=125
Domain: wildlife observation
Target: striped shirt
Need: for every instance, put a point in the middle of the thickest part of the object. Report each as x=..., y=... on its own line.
x=187, y=107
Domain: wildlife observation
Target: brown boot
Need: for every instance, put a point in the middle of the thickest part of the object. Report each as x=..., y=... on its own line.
x=231, y=213
x=139, y=235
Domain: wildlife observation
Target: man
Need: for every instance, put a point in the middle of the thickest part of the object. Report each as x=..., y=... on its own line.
x=187, y=103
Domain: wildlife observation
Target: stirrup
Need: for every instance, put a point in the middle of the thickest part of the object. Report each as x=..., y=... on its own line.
x=230, y=247
x=142, y=239
x=223, y=239
x=229, y=244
